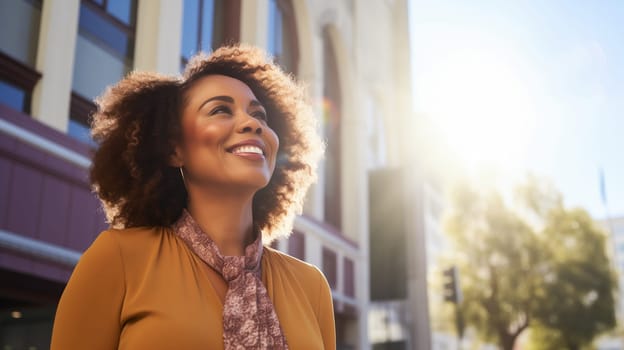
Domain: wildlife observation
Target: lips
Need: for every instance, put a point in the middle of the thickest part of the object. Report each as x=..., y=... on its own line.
x=248, y=147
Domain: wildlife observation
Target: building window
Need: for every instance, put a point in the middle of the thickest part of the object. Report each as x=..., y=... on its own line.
x=332, y=107
x=296, y=245
x=208, y=24
x=349, y=277
x=17, y=82
x=27, y=312
x=12, y=96
x=105, y=40
x=330, y=266
x=282, y=43
x=19, y=19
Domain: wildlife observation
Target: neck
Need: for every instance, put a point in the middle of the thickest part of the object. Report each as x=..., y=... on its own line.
x=226, y=218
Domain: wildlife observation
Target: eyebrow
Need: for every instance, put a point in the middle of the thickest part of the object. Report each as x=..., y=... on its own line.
x=228, y=99
x=218, y=98
x=255, y=103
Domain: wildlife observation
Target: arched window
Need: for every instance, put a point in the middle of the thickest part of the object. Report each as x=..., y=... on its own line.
x=282, y=37
x=208, y=24
x=332, y=107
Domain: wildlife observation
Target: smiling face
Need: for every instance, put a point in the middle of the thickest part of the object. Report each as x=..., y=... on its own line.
x=226, y=141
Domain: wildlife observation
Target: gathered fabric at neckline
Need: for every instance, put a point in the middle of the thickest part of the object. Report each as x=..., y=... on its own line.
x=249, y=318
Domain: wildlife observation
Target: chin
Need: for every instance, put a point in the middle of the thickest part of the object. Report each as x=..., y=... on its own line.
x=256, y=184
x=254, y=178
x=260, y=185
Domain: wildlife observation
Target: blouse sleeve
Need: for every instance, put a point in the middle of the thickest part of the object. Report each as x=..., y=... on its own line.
x=88, y=314
x=326, y=315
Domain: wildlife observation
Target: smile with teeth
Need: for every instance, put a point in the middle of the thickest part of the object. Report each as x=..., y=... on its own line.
x=248, y=149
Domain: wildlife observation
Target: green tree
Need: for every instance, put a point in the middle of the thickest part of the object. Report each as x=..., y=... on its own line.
x=531, y=263
x=499, y=258
x=579, y=286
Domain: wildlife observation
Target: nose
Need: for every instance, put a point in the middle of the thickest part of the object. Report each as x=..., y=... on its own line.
x=251, y=124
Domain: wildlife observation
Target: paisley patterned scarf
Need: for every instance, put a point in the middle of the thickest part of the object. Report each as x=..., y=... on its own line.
x=249, y=319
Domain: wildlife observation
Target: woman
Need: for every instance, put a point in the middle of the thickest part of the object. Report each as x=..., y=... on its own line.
x=193, y=173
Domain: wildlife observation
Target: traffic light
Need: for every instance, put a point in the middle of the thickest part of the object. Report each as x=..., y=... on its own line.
x=452, y=292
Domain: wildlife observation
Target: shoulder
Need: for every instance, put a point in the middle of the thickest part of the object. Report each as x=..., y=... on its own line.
x=310, y=288
x=124, y=243
x=123, y=238
x=298, y=267
x=308, y=276
x=109, y=259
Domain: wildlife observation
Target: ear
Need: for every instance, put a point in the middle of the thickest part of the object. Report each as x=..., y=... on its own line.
x=175, y=159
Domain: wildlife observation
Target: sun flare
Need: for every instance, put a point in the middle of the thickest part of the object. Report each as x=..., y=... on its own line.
x=482, y=103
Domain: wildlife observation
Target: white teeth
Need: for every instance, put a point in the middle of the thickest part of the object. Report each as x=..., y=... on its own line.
x=247, y=149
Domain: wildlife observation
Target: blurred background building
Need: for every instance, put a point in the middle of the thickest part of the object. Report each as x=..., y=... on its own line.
x=56, y=56
x=615, y=227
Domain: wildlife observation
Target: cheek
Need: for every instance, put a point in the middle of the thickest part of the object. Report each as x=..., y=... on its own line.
x=189, y=132
x=204, y=133
x=212, y=133
x=271, y=136
x=274, y=141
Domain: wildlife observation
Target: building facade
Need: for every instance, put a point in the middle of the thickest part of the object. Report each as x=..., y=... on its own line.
x=56, y=56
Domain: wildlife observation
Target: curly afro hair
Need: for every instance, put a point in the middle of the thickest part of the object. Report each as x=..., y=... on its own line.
x=137, y=125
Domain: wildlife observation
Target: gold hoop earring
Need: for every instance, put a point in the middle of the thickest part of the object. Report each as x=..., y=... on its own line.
x=183, y=179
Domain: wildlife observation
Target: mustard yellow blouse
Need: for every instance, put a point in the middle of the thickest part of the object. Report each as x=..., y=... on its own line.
x=143, y=288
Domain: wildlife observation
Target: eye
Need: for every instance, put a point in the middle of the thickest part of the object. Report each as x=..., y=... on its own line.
x=220, y=109
x=261, y=115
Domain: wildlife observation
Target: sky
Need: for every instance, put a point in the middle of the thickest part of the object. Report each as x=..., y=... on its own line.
x=527, y=87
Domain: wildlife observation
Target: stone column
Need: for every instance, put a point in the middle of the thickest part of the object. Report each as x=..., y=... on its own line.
x=159, y=36
x=55, y=61
x=255, y=22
